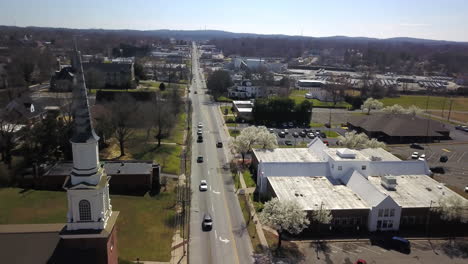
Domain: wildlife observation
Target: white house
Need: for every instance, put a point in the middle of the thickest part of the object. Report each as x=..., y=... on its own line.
x=368, y=187
x=315, y=89
x=244, y=90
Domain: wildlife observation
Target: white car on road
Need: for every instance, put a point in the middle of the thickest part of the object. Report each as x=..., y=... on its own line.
x=415, y=155
x=200, y=125
x=203, y=186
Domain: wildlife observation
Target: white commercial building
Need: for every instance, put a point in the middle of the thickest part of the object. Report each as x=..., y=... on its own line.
x=370, y=187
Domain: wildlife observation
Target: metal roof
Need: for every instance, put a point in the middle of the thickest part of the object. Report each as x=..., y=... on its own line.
x=285, y=155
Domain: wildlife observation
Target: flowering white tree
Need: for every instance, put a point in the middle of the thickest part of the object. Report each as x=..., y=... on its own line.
x=372, y=104
x=354, y=140
x=452, y=208
x=414, y=110
x=394, y=109
x=284, y=216
x=251, y=136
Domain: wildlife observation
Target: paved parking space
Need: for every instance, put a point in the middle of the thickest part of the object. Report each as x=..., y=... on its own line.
x=422, y=251
x=456, y=168
x=298, y=141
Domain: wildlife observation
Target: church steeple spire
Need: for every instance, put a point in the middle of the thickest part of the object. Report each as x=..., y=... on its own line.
x=83, y=129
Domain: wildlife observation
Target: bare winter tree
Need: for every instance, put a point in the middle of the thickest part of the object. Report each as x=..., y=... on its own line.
x=163, y=117
x=8, y=128
x=336, y=90
x=284, y=216
x=122, y=110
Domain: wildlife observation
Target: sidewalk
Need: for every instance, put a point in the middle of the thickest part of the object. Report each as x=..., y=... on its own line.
x=258, y=225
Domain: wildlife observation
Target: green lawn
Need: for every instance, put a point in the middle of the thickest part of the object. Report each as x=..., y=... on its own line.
x=250, y=224
x=299, y=95
x=248, y=179
x=331, y=134
x=145, y=224
x=435, y=102
x=312, y=124
x=137, y=147
x=223, y=108
x=177, y=135
x=223, y=99
x=234, y=132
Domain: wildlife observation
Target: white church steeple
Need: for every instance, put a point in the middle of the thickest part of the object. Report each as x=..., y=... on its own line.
x=88, y=185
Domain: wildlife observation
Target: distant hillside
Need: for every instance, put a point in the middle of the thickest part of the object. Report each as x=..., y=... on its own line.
x=220, y=34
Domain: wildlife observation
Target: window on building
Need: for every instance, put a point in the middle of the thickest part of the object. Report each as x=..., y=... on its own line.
x=358, y=220
x=363, y=167
x=392, y=212
x=333, y=166
x=386, y=213
x=340, y=168
x=380, y=212
x=379, y=224
x=412, y=220
x=84, y=208
x=390, y=224
x=384, y=224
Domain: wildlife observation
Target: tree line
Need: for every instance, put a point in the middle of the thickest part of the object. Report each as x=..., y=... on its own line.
x=278, y=109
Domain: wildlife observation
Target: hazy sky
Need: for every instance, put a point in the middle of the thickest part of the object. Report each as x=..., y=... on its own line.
x=432, y=19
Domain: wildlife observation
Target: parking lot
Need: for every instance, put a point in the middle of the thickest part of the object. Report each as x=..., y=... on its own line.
x=456, y=167
x=422, y=251
x=301, y=139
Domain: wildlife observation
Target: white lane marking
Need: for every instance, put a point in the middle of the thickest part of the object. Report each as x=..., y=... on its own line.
x=216, y=235
x=212, y=208
x=430, y=157
x=215, y=192
x=208, y=172
x=459, y=159
x=369, y=250
x=225, y=241
x=343, y=250
x=210, y=187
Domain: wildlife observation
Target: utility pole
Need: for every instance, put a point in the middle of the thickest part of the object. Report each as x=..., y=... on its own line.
x=450, y=109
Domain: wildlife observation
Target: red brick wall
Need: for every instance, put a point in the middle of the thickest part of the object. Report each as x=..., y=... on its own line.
x=112, y=249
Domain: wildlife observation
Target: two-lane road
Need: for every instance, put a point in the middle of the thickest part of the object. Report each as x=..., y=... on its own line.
x=228, y=241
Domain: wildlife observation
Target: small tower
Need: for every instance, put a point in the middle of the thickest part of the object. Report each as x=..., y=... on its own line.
x=88, y=185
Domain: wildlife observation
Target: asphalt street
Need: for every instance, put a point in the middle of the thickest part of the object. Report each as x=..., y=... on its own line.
x=228, y=241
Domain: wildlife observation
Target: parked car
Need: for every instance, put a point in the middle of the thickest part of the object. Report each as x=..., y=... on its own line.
x=422, y=157
x=295, y=134
x=326, y=142
x=199, y=131
x=286, y=131
x=219, y=144
x=200, y=125
x=308, y=96
x=200, y=159
x=323, y=135
x=438, y=169
x=203, y=186
x=303, y=134
x=200, y=139
x=460, y=127
x=207, y=223
x=195, y=92
x=360, y=261
x=416, y=146
x=466, y=188
x=443, y=158
x=281, y=134
x=290, y=124
x=311, y=135
x=271, y=130
x=400, y=244
x=415, y=155
x=288, y=143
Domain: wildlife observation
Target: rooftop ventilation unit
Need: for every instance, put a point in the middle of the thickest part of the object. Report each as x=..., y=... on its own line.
x=375, y=158
x=389, y=182
x=346, y=153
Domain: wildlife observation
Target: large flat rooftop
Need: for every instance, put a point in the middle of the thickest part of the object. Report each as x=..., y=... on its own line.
x=415, y=190
x=369, y=154
x=285, y=155
x=311, y=192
